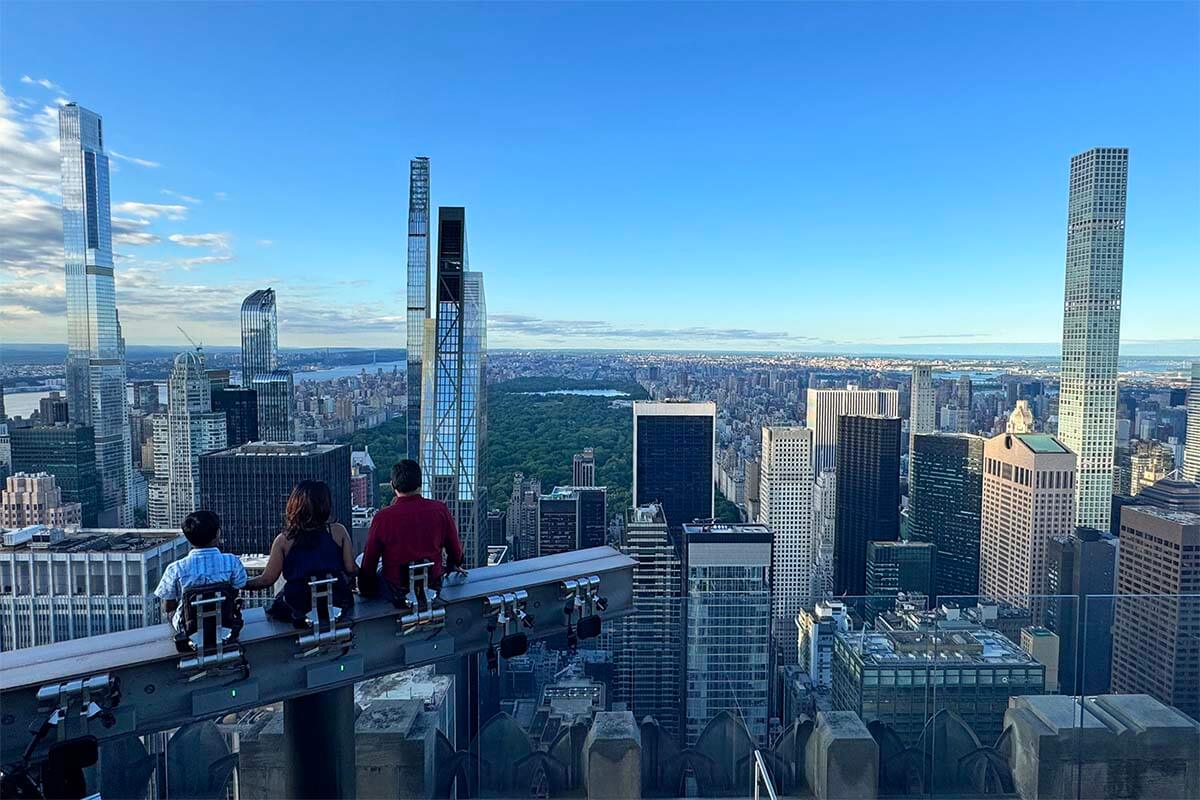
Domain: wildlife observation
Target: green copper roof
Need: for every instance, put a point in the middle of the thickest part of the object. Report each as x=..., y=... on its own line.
x=1041, y=443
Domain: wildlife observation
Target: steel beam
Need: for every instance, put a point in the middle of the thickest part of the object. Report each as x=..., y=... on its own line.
x=155, y=695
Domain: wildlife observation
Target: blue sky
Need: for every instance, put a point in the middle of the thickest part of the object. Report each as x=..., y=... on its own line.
x=763, y=177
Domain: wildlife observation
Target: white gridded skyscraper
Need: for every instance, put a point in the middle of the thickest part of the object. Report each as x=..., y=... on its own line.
x=1191, y=451
x=786, y=494
x=95, y=368
x=1087, y=408
x=824, y=406
x=923, y=404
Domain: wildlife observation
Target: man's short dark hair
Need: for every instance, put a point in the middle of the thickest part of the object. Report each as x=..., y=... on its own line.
x=406, y=476
x=201, y=528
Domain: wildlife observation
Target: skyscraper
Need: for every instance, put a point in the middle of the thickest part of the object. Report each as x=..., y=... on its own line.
x=583, y=468
x=189, y=428
x=95, y=369
x=824, y=501
x=1155, y=646
x=727, y=624
x=1028, y=498
x=260, y=367
x=922, y=405
x=454, y=418
x=824, y=406
x=418, y=294
x=674, y=446
x=54, y=409
x=868, y=495
x=1079, y=581
x=240, y=407
x=1191, y=451
x=36, y=500
x=895, y=567
x=1087, y=408
x=68, y=452
x=1021, y=418
x=945, y=499
x=963, y=398
x=248, y=488
x=649, y=662
x=785, y=494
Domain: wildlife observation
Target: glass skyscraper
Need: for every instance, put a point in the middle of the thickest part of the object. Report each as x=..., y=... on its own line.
x=260, y=367
x=673, y=451
x=95, y=368
x=945, y=503
x=454, y=424
x=1087, y=407
x=418, y=293
x=868, y=495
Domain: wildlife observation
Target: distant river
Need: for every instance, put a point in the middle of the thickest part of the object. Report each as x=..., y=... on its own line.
x=583, y=392
x=347, y=372
x=22, y=404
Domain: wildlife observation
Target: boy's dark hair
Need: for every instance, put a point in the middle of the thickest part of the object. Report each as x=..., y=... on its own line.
x=406, y=476
x=201, y=528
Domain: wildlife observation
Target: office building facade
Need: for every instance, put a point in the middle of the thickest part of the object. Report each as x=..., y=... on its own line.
x=571, y=518
x=240, y=407
x=583, y=468
x=922, y=416
x=273, y=387
x=825, y=406
x=95, y=368
x=54, y=410
x=945, y=503
x=189, y=428
x=674, y=450
x=248, y=487
x=895, y=567
x=36, y=500
x=815, y=630
x=1080, y=578
x=418, y=295
x=868, y=495
x=68, y=452
x=1028, y=498
x=727, y=625
x=824, y=502
x=785, y=506
x=521, y=518
x=1191, y=449
x=1156, y=649
x=1087, y=407
x=454, y=410
x=59, y=586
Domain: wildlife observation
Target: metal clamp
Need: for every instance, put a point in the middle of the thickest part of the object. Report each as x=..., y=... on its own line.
x=420, y=600
x=210, y=654
x=87, y=694
x=584, y=592
x=325, y=630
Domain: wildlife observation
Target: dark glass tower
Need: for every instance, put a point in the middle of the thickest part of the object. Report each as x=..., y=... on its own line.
x=868, y=495
x=894, y=567
x=571, y=518
x=260, y=367
x=418, y=294
x=248, y=487
x=673, y=448
x=1080, y=577
x=241, y=414
x=946, y=486
x=68, y=452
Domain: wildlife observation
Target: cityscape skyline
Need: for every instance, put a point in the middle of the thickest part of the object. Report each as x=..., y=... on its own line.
x=189, y=252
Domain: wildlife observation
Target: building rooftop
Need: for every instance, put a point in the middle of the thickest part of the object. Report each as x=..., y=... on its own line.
x=276, y=449
x=734, y=532
x=1173, y=515
x=1041, y=442
x=974, y=646
x=36, y=538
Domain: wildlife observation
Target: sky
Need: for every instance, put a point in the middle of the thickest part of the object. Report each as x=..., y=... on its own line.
x=778, y=177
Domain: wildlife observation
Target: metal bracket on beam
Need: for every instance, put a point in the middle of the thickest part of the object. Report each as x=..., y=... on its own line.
x=420, y=600
x=324, y=621
x=87, y=694
x=212, y=651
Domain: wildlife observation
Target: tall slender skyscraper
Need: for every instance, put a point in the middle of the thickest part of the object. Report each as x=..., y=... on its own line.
x=824, y=406
x=260, y=367
x=1087, y=408
x=583, y=468
x=95, y=368
x=454, y=422
x=674, y=445
x=1191, y=450
x=418, y=293
x=868, y=495
x=786, y=495
x=922, y=406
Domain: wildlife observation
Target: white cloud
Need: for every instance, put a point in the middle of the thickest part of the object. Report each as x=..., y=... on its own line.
x=152, y=210
x=141, y=162
x=45, y=83
x=265, y=242
x=218, y=241
x=29, y=145
x=221, y=195
x=187, y=198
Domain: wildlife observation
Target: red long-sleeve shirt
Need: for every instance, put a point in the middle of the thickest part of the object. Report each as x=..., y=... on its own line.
x=410, y=529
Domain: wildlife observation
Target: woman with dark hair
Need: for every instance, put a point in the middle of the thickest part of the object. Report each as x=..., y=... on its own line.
x=310, y=546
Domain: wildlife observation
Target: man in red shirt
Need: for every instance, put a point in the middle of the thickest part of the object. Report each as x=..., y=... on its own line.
x=410, y=529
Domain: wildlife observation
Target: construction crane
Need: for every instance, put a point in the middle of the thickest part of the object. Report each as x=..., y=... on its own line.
x=199, y=346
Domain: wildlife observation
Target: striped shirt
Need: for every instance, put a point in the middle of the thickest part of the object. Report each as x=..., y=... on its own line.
x=201, y=566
